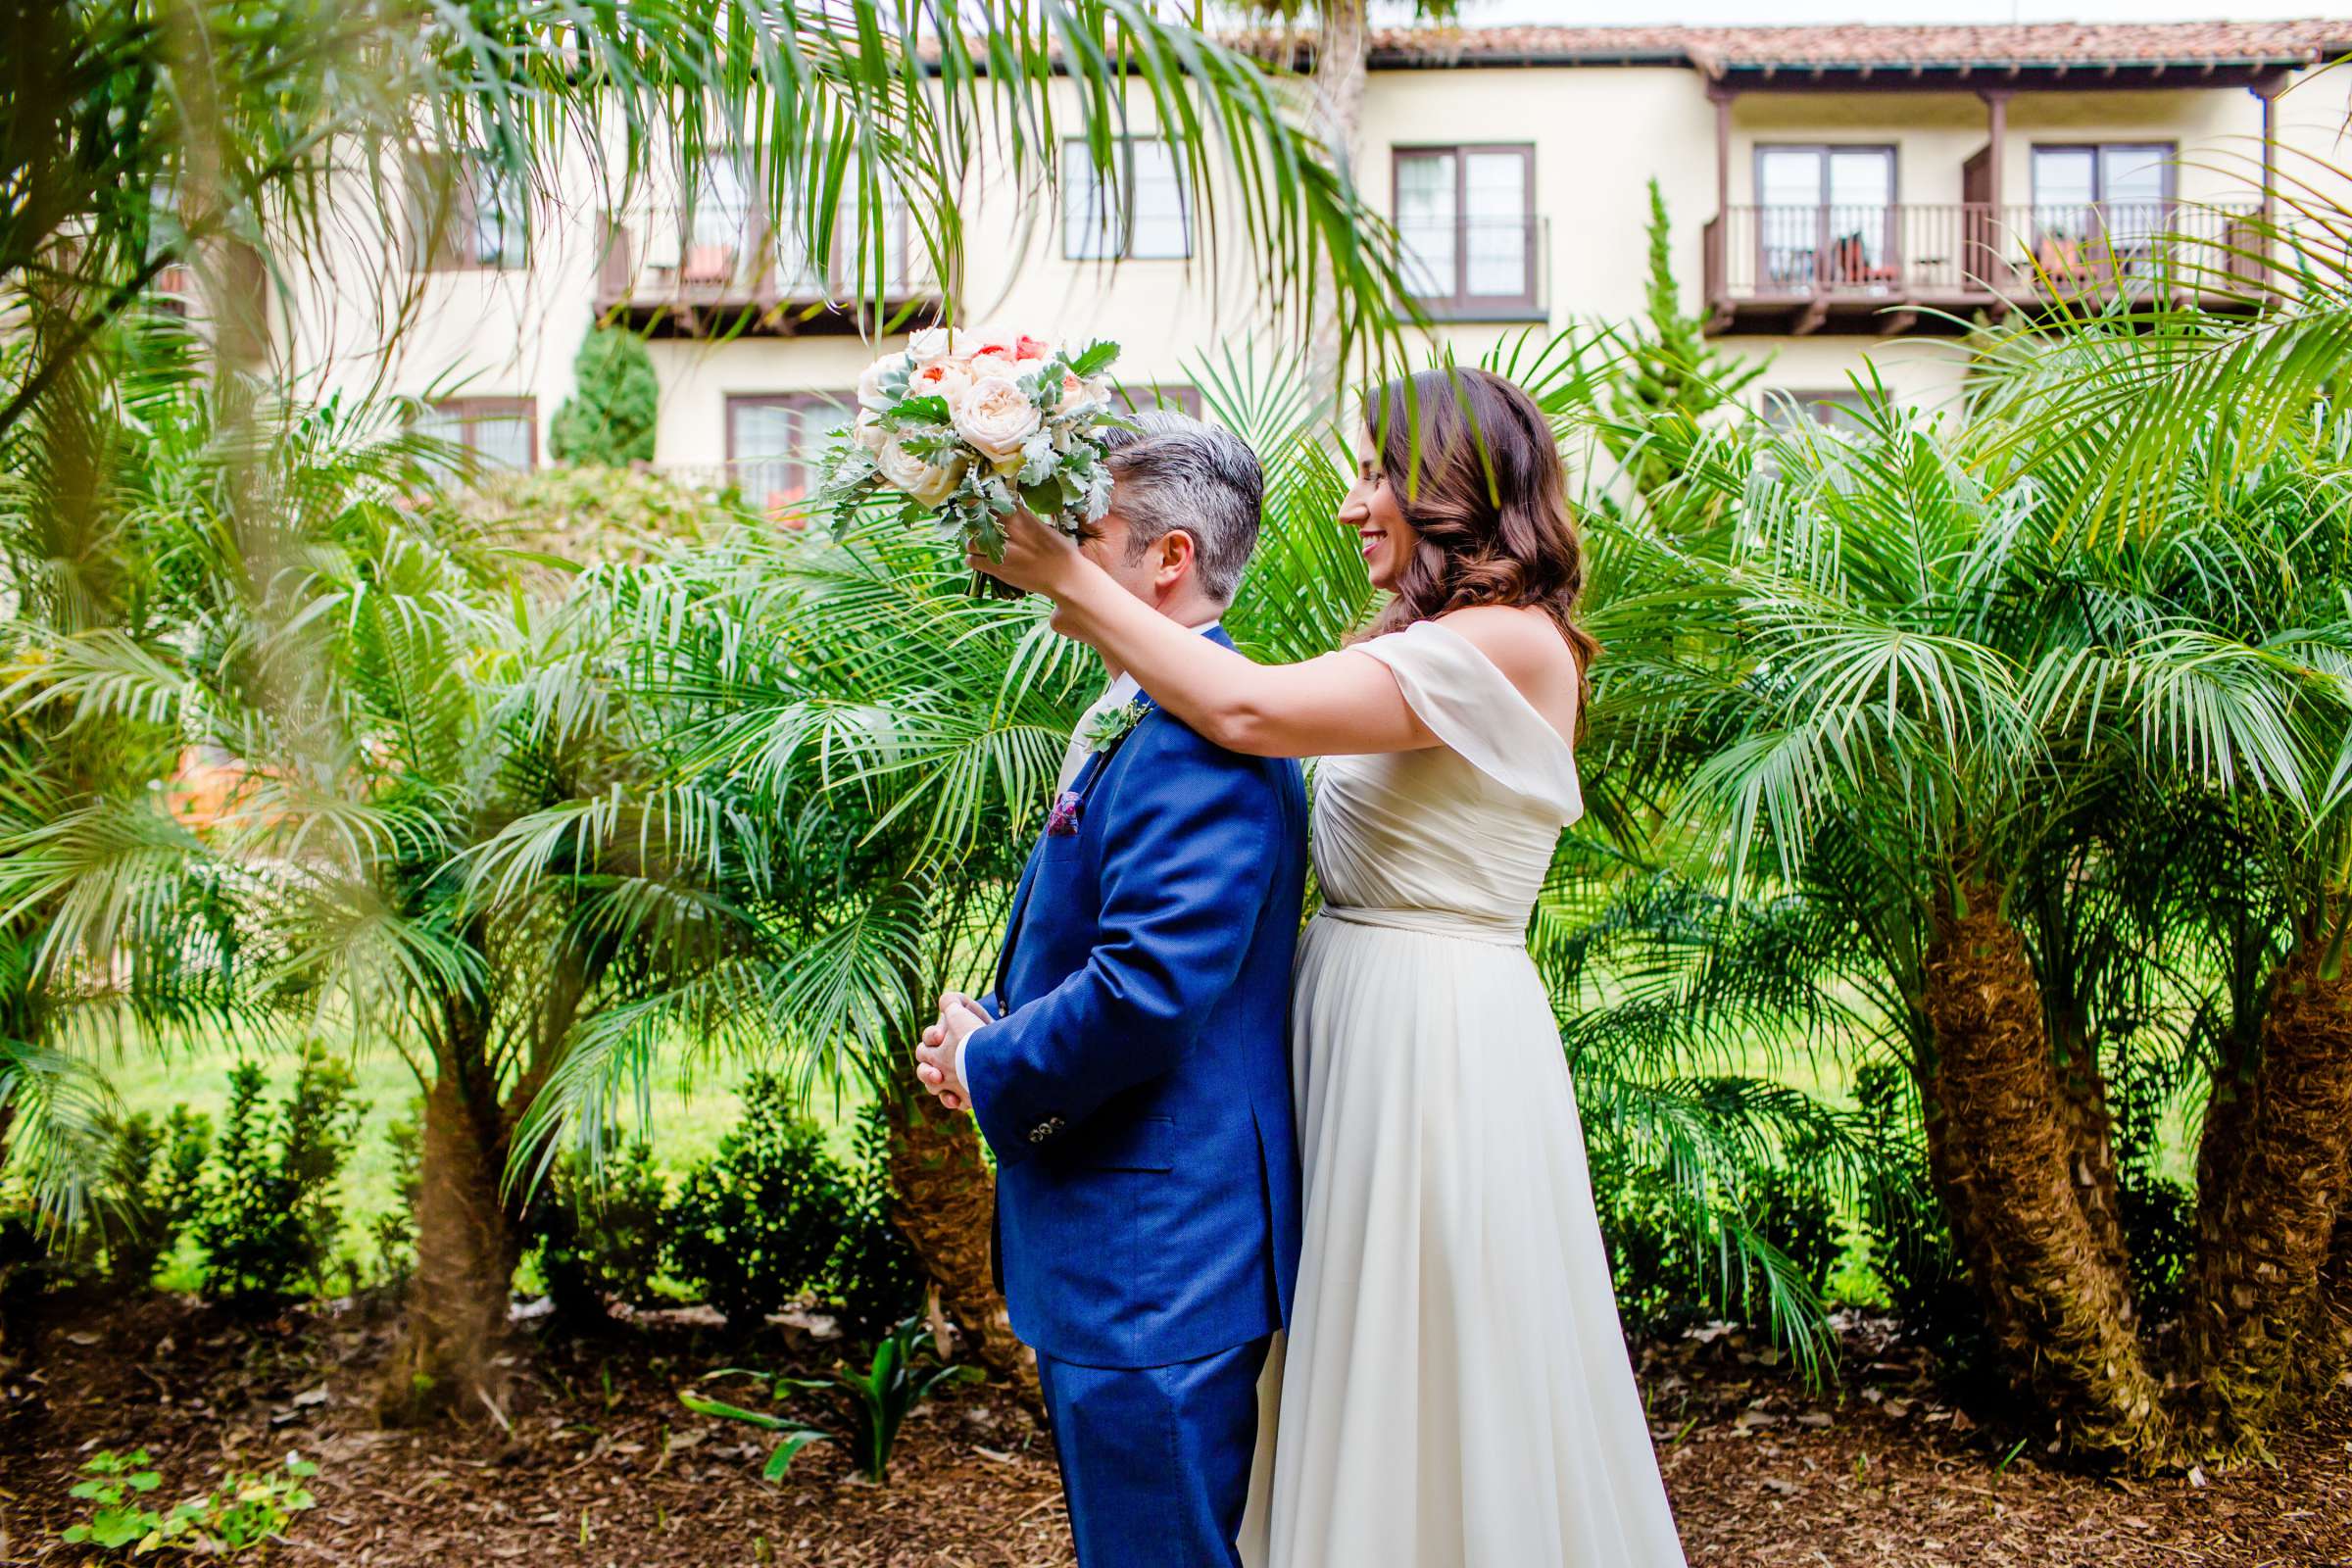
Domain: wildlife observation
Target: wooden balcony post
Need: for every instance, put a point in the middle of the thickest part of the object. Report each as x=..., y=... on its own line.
x=1722, y=96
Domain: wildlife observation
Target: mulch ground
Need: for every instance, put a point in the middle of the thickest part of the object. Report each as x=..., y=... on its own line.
x=598, y=1465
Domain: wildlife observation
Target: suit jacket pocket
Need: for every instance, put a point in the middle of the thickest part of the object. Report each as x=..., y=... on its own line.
x=1129, y=1142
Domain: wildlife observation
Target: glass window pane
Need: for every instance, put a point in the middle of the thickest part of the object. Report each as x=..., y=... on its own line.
x=1425, y=221
x=1495, y=263
x=505, y=440
x=498, y=220
x=2132, y=186
x=760, y=430
x=1789, y=177
x=1162, y=226
x=2065, y=185
x=1087, y=232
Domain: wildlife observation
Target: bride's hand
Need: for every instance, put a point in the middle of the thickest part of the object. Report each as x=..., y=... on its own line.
x=1036, y=558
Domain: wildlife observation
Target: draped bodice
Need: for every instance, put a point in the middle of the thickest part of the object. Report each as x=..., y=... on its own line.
x=1456, y=838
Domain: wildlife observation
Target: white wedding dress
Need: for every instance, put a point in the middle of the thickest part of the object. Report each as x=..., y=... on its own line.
x=1455, y=1389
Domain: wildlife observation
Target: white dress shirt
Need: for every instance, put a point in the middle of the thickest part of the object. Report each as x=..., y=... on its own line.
x=1120, y=692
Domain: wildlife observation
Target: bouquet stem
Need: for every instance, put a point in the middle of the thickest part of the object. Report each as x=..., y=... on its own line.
x=986, y=587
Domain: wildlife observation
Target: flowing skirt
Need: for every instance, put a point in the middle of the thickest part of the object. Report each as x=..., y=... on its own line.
x=1455, y=1390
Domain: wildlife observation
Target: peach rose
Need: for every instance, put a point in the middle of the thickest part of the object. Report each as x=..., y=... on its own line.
x=995, y=417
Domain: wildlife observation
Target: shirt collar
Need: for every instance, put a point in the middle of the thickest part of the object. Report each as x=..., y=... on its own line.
x=1127, y=686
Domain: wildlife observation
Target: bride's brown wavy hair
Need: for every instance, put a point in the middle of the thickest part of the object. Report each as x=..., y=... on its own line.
x=1476, y=473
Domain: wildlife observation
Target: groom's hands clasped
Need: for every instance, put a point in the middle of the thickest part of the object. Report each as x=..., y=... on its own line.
x=935, y=1057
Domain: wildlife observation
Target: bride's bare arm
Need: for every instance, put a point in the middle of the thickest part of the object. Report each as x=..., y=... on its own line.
x=1339, y=704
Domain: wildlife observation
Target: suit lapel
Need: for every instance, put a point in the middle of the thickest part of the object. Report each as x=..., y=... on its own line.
x=1082, y=786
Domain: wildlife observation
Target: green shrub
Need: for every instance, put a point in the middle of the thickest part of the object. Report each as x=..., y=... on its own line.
x=269, y=1220
x=602, y=1235
x=153, y=1187
x=609, y=420
x=876, y=1278
x=394, y=1229
x=759, y=1224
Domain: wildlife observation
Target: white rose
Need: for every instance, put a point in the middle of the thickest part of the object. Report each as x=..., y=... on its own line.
x=995, y=417
x=947, y=378
x=869, y=385
x=867, y=432
x=930, y=343
x=928, y=482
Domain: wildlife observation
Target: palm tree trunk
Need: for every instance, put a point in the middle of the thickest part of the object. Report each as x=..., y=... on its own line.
x=2005, y=1150
x=2276, y=1215
x=1343, y=36
x=467, y=1247
x=2084, y=1099
x=2323, y=1357
x=945, y=1205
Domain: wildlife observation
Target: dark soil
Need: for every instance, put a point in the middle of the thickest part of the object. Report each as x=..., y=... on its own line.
x=598, y=1463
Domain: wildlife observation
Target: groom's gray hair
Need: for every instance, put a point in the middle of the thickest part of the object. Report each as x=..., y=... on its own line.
x=1174, y=471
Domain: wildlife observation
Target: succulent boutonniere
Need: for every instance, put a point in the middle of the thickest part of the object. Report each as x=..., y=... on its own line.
x=1109, y=727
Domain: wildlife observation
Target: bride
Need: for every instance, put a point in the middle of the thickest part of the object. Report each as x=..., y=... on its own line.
x=1457, y=1389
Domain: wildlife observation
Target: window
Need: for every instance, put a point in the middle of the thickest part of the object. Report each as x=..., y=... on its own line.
x=1133, y=212
x=1138, y=396
x=2099, y=203
x=1825, y=217
x=501, y=433
x=1466, y=218
x=469, y=216
x=776, y=442
x=715, y=239
x=1790, y=408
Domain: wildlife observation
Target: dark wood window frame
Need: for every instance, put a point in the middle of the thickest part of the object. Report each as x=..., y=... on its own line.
x=1461, y=305
x=472, y=413
x=1124, y=250
x=1831, y=264
x=795, y=401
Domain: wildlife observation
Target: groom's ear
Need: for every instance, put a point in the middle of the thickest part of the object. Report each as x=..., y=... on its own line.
x=1174, y=555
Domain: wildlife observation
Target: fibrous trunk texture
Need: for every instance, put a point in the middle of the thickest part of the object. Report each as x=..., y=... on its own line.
x=946, y=1202
x=2007, y=1158
x=2273, y=1218
x=467, y=1246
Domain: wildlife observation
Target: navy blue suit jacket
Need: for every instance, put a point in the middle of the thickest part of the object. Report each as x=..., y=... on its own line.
x=1137, y=1089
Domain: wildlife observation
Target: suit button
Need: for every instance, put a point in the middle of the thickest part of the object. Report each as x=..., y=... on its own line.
x=1040, y=1133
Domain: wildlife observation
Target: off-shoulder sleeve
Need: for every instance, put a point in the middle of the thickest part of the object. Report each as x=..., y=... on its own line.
x=1474, y=710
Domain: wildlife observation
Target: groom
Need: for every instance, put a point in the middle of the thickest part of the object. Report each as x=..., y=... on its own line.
x=1135, y=1080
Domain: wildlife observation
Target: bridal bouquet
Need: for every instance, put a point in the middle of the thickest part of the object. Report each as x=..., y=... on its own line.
x=969, y=425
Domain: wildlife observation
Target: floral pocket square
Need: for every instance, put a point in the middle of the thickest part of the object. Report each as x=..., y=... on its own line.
x=1063, y=821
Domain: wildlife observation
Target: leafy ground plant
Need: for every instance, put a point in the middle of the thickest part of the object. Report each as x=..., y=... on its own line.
x=867, y=1406
x=246, y=1509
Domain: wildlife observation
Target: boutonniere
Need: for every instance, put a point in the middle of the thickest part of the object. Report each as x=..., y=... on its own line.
x=1109, y=727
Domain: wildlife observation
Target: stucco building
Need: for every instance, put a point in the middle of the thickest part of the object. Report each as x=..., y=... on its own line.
x=1839, y=195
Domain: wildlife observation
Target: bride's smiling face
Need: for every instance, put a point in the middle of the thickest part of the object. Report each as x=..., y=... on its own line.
x=1382, y=533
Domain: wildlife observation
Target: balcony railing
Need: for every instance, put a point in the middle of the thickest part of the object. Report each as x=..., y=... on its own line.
x=1965, y=254
x=1479, y=268
x=737, y=262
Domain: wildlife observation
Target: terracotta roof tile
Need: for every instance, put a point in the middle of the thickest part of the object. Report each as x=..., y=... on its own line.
x=1716, y=50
